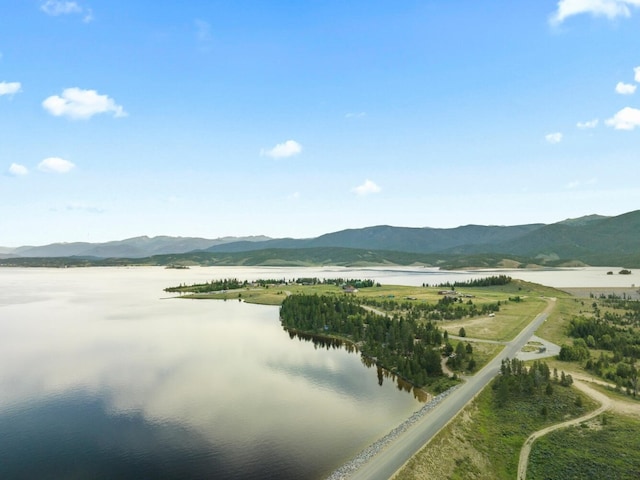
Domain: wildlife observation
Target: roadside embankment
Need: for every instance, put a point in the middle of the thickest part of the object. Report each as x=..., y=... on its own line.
x=350, y=467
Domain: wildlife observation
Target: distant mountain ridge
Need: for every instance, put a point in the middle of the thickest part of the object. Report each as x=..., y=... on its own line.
x=584, y=239
x=593, y=239
x=136, y=247
x=399, y=239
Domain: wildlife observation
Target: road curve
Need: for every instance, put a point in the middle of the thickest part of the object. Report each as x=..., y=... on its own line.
x=385, y=464
x=523, y=462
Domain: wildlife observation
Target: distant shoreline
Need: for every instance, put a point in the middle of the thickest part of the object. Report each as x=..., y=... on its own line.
x=587, y=292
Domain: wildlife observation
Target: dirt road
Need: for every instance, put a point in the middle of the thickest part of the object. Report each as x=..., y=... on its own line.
x=581, y=382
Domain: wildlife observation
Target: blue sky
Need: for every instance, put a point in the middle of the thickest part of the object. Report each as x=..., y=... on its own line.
x=298, y=118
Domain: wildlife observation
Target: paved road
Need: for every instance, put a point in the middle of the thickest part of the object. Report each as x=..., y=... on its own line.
x=388, y=461
x=551, y=350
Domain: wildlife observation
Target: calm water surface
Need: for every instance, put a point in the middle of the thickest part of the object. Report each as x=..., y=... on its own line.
x=103, y=376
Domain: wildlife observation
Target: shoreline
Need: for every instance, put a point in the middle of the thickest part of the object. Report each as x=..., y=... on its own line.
x=346, y=470
x=632, y=293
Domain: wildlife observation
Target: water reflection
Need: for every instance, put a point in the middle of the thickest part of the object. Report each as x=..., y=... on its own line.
x=98, y=364
x=132, y=365
x=327, y=343
x=75, y=437
x=323, y=342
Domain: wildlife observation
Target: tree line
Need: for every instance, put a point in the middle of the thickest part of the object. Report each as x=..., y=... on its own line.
x=354, y=282
x=212, y=286
x=401, y=345
x=234, y=283
x=446, y=308
x=478, y=282
x=516, y=379
x=613, y=327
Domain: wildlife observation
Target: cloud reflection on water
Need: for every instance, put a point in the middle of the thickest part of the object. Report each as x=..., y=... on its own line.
x=223, y=369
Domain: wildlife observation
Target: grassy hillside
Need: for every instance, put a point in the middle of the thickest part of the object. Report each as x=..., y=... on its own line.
x=484, y=441
x=605, y=448
x=387, y=238
x=593, y=240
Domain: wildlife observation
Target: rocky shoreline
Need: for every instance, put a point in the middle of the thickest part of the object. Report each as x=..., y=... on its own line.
x=350, y=467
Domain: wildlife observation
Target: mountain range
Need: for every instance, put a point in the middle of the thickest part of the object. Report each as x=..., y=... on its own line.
x=593, y=240
x=137, y=247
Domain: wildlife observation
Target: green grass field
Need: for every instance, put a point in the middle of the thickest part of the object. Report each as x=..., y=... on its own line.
x=506, y=323
x=594, y=450
x=555, y=328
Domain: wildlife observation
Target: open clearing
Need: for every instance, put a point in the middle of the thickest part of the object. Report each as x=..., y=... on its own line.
x=504, y=326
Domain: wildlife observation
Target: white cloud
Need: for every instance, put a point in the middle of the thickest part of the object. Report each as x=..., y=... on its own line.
x=355, y=115
x=56, y=7
x=282, y=150
x=9, y=88
x=366, y=188
x=59, y=7
x=588, y=124
x=626, y=119
x=625, y=88
x=88, y=16
x=579, y=183
x=553, y=138
x=55, y=165
x=294, y=196
x=18, y=170
x=81, y=104
x=636, y=74
x=598, y=8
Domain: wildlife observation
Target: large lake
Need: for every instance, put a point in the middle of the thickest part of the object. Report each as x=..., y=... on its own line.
x=102, y=375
